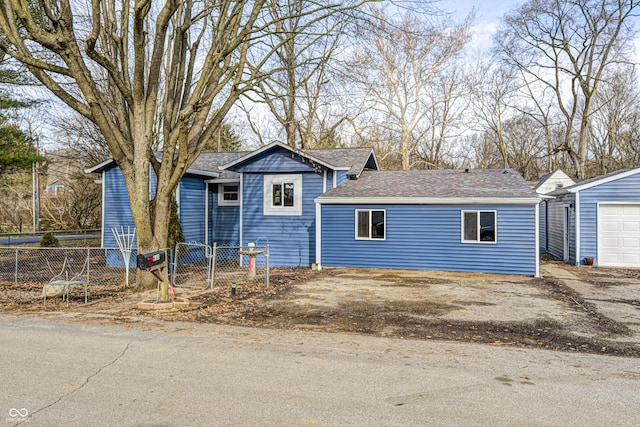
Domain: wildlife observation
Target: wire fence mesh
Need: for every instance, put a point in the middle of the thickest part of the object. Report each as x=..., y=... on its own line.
x=194, y=265
x=199, y=265
x=191, y=266
x=105, y=266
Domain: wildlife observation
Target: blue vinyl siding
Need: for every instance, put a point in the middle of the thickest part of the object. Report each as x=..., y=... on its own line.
x=117, y=211
x=428, y=237
x=292, y=238
x=277, y=160
x=555, y=226
x=542, y=225
x=625, y=190
x=192, y=194
x=329, y=180
x=341, y=177
x=224, y=221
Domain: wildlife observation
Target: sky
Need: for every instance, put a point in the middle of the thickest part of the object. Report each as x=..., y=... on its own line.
x=488, y=16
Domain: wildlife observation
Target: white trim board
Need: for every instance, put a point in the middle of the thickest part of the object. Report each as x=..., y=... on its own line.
x=286, y=147
x=428, y=200
x=604, y=180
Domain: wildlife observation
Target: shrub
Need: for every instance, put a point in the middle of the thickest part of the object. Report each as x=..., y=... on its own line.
x=49, y=240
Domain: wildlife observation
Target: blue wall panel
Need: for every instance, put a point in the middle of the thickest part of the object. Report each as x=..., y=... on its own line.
x=117, y=212
x=555, y=218
x=542, y=225
x=275, y=161
x=341, y=177
x=192, y=194
x=224, y=221
x=329, y=180
x=292, y=238
x=625, y=190
x=428, y=237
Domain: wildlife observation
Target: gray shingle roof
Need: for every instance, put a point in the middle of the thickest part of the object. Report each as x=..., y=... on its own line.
x=583, y=182
x=211, y=162
x=353, y=158
x=493, y=183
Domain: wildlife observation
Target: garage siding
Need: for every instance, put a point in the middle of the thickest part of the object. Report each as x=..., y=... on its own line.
x=428, y=237
x=623, y=190
x=555, y=226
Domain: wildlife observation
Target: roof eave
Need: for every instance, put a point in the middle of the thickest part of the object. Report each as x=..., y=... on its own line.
x=428, y=200
x=202, y=173
x=281, y=145
x=579, y=187
x=99, y=167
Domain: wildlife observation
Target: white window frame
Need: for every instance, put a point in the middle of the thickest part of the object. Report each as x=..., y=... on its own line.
x=384, y=211
x=221, y=201
x=269, y=208
x=477, y=212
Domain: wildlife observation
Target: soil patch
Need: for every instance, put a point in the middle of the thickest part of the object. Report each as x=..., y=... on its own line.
x=485, y=308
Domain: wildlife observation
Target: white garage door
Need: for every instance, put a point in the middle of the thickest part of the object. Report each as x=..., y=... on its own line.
x=619, y=235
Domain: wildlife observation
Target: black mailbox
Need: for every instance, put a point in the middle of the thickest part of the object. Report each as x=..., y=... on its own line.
x=151, y=261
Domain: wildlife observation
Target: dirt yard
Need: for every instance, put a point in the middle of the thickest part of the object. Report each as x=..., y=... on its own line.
x=427, y=305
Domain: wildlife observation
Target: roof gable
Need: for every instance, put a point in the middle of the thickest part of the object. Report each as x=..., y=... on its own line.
x=351, y=160
x=599, y=180
x=550, y=182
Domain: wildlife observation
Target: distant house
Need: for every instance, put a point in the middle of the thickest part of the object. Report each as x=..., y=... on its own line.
x=597, y=218
x=333, y=207
x=553, y=181
x=54, y=188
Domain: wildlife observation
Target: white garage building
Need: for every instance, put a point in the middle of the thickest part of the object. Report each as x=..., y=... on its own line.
x=597, y=218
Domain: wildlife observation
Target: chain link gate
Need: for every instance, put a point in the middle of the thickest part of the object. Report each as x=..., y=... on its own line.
x=196, y=265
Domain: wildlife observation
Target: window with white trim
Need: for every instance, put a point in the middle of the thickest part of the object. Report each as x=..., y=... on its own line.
x=479, y=227
x=283, y=194
x=228, y=194
x=371, y=224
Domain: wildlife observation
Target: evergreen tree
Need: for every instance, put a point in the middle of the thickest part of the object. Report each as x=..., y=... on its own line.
x=17, y=150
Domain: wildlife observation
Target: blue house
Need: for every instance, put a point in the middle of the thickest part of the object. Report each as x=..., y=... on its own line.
x=334, y=207
x=461, y=220
x=597, y=218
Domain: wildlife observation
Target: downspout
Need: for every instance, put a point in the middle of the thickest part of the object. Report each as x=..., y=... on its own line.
x=546, y=226
x=319, y=236
x=537, y=239
x=577, y=214
x=324, y=181
x=104, y=195
x=206, y=213
x=241, y=191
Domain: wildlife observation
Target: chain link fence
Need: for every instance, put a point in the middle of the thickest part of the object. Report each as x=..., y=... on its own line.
x=199, y=265
x=192, y=265
x=102, y=266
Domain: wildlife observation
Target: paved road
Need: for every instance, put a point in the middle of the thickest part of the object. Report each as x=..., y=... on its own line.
x=173, y=374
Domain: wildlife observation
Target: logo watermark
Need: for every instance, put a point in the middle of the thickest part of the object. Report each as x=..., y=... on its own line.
x=18, y=415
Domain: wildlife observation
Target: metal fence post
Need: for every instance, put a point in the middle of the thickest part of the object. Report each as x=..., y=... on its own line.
x=15, y=273
x=267, y=262
x=173, y=256
x=88, y=265
x=213, y=264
